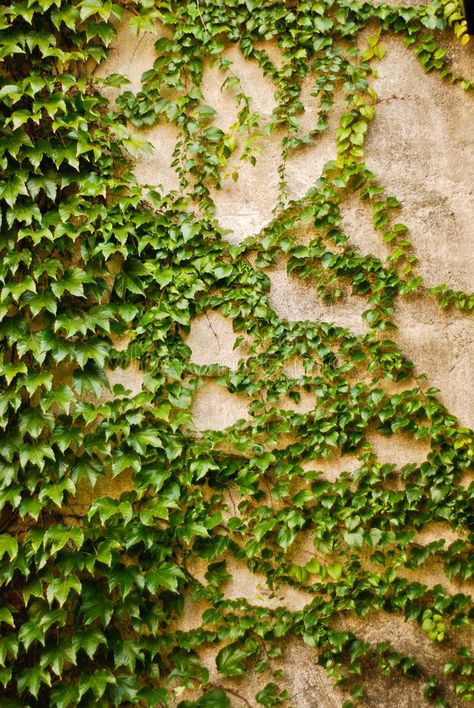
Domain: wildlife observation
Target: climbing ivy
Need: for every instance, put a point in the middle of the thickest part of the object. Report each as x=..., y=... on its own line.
x=94, y=586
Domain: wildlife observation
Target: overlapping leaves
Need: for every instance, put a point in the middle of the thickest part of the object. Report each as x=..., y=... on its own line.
x=93, y=584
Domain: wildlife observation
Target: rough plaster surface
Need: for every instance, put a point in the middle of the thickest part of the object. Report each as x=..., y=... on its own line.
x=154, y=167
x=215, y=408
x=253, y=83
x=295, y=299
x=398, y=449
x=441, y=345
x=420, y=148
x=130, y=55
x=422, y=121
x=333, y=467
x=396, y=690
x=253, y=587
x=212, y=341
x=131, y=377
x=358, y=227
x=307, y=683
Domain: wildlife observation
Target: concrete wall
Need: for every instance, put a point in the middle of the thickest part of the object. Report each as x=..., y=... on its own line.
x=420, y=145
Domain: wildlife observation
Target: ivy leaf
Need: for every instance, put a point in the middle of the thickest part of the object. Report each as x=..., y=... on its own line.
x=72, y=281
x=91, y=378
x=217, y=698
x=335, y=570
x=37, y=379
x=57, y=656
x=9, y=371
x=6, y=616
x=60, y=588
x=96, y=604
x=36, y=454
x=88, y=640
x=96, y=682
x=124, y=461
x=141, y=439
x=94, y=7
x=125, y=578
x=230, y=660
x=57, y=536
x=85, y=469
x=8, y=647
x=374, y=536
x=8, y=546
x=166, y=576
x=61, y=396
x=30, y=632
x=116, y=80
x=91, y=350
x=33, y=421
x=213, y=135
x=31, y=506
x=354, y=538
x=127, y=655
x=64, y=695
x=32, y=679
x=217, y=574
x=13, y=188
x=5, y=676
x=124, y=283
x=108, y=508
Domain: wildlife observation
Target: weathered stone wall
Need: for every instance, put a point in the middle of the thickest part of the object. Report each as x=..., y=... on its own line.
x=420, y=145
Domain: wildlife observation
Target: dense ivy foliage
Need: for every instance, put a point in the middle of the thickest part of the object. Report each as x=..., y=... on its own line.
x=92, y=595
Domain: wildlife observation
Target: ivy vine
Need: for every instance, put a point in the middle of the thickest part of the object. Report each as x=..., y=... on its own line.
x=93, y=591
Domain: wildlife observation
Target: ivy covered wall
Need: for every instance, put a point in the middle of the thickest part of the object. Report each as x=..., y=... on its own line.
x=237, y=341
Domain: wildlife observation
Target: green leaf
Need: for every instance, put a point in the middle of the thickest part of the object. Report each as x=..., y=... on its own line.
x=60, y=588
x=8, y=647
x=116, y=80
x=335, y=570
x=165, y=576
x=8, y=546
x=72, y=281
x=5, y=676
x=217, y=698
x=30, y=632
x=35, y=380
x=107, y=508
x=124, y=461
x=126, y=578
x=213, y=135
x=10, y=190
x=231, y=659
x=30, y=506
x=61, y=396
x=96, y=682
x=6, y=616
x=57, y=656
x=94, y=7
x=88, y=640
x=91, y=378
x=64, y=695
x=36, y=454
x=354, y=538
x=95, y=351
x=32, y=679
x=57, y=536
x=9, y=371
x=127, y=654
x=141, y=439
